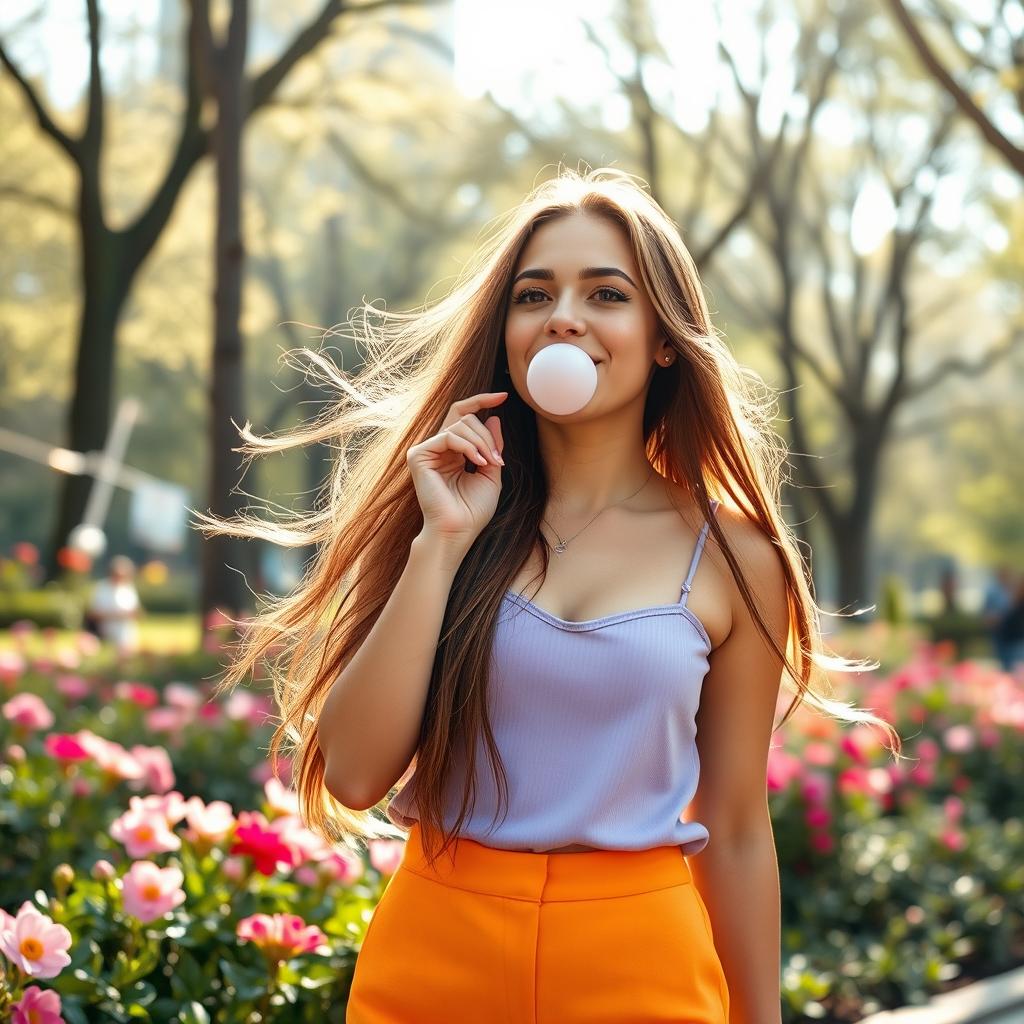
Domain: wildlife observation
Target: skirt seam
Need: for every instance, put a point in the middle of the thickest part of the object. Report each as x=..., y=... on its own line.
x=525, y=899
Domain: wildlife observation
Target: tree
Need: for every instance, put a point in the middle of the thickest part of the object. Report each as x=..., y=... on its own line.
x=110, y=258
x=993, y=50
x=861, y=343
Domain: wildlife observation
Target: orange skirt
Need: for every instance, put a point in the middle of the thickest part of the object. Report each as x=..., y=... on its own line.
x=510, y=937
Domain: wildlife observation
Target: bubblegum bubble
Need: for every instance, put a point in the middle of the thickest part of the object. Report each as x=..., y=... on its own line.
x=561, y=379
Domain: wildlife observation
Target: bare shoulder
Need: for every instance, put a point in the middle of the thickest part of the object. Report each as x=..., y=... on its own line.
x=760, y=561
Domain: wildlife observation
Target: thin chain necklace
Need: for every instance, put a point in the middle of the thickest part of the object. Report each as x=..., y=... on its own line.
x=563, y=544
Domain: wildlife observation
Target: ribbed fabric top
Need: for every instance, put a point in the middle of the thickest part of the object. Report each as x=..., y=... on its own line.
x=596, y=725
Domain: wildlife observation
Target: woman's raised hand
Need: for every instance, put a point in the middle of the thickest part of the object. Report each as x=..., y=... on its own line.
x=457, y=504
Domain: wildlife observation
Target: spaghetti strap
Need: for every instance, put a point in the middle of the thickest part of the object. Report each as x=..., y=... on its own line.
x=697, y=553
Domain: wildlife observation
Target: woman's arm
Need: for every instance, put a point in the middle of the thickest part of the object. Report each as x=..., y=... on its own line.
x=737, y=873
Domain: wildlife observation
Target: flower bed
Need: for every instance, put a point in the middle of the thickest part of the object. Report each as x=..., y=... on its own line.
x=152, y=869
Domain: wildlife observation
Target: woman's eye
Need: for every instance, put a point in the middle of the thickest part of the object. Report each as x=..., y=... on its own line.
x=616, y=295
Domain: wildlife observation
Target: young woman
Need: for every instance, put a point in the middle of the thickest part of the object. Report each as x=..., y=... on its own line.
x=566, y=754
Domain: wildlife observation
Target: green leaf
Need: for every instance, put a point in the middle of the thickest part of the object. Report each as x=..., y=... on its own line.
x=248, y=982
x=194, y=1013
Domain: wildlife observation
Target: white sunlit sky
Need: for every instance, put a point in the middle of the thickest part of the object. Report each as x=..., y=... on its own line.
x=523, y=54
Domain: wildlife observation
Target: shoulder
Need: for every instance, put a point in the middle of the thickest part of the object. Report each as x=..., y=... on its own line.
x=761, y=562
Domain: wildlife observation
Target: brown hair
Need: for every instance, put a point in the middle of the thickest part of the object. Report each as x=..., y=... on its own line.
x=707, y=427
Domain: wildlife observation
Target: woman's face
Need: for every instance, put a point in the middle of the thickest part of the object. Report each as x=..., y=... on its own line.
x=607, y=314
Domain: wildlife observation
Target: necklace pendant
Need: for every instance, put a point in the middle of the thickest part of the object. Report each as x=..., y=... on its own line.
x=560, y=547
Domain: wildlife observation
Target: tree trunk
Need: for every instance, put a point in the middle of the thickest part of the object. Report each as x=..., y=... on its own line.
x=105, y=283
x=225, y=560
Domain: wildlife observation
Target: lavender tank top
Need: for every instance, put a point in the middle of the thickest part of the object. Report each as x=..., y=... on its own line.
x=596, y=725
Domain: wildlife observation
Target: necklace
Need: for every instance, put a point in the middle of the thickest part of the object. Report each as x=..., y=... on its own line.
x=563, y=544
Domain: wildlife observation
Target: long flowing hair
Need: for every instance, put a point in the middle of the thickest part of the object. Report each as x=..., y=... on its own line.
x=706, y=426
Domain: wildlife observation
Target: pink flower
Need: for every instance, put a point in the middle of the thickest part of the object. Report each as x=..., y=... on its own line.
x=151, y=891
x=35, y=944
x=111, y=758
x=783, y=768
x=234, y=868
x=183, y=696
x=853, y=780
x=280, y=936
x=819, y=754
x=816, y=787
x=822, y=842
x=817, y=817
x=953, y=839
x=172, y=806
x=143, y=832
x=279, y=799
x=12, y=664
x=256, y=839
x=953, y=807
x=960, y=739
x=65, y=747
x=73, y=687
x=386, y=854
x=28, y=711
x=162, y=719
x=156, y=763
x=37, y=1006
x=210, y=822
x=341, y=866
x=103, y=871
x=138, y=693
x=304, y=844
x=210, y=713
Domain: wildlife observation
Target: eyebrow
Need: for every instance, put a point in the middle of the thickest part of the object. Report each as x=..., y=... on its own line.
x=549, y=275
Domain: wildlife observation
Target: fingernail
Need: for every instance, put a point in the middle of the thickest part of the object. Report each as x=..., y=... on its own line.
x=497, y=456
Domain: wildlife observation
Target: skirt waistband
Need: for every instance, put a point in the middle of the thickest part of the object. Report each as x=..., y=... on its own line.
x=547, y=877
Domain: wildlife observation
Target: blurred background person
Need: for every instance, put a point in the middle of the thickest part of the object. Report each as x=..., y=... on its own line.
x=1002, y=611
x=114, y=606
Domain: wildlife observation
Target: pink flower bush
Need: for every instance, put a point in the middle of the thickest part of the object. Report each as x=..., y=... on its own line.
x=280, y=936
x=151, y=891
x=34, y=943
x=37, y=1006
x=28, y=711
x=144, y=831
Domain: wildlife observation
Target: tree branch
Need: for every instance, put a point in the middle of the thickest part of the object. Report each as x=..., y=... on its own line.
x=35, y=199
x=263, y=85
x=995, y=138
x=92, y=136
x=46, y=123
x=958, y=366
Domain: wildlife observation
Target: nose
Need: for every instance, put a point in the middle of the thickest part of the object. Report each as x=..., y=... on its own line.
x=563, y=321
